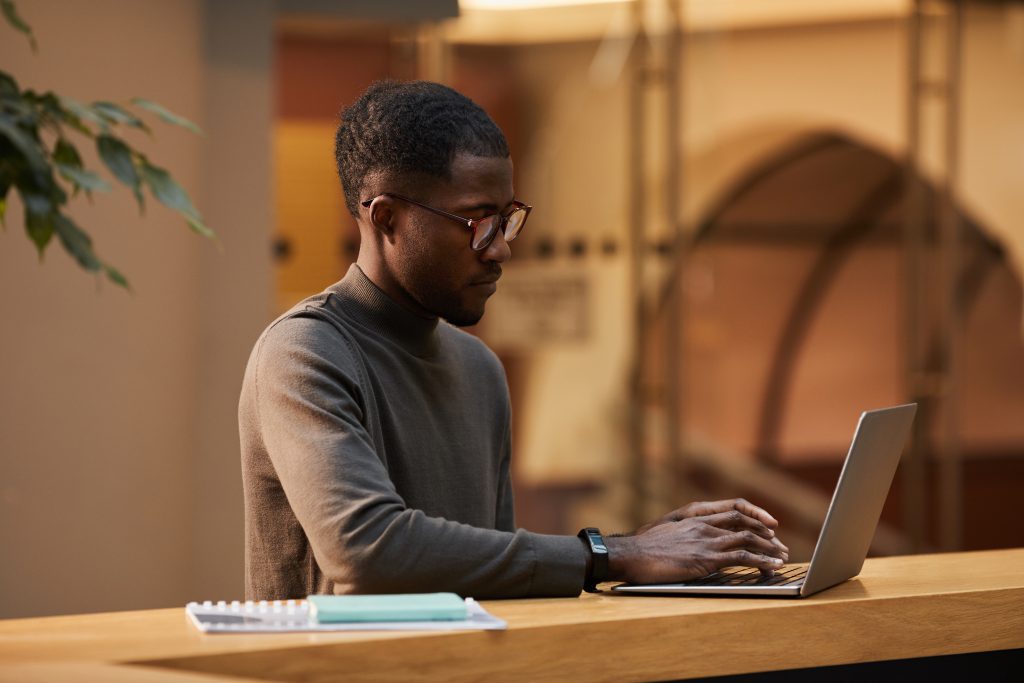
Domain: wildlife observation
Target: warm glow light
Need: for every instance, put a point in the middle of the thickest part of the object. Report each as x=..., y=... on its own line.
x=527, y=4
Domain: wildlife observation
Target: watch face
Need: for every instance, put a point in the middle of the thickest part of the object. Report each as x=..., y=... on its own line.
x=598, y=568
x=594, y=540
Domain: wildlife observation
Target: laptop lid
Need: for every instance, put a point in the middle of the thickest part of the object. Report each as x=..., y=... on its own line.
x=859, y=496
x=850, y=522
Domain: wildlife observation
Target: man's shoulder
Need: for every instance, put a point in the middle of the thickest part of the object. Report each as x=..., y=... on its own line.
x=469, y=347
x=311, y=324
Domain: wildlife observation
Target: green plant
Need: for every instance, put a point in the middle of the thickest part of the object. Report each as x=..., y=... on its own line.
x=35, y=151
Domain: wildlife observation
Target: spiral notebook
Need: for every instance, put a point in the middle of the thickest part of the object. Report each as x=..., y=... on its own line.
x=293, y=616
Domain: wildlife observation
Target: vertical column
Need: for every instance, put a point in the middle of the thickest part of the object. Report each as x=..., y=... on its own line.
x=934, y=319
x=433, y=57
x=236, y=282
x=677, y=239
x=950, y=492
x=637, y=240
x=912, y=468
x=655, y=196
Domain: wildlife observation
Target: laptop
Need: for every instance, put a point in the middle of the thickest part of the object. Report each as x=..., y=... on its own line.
x=849, y=525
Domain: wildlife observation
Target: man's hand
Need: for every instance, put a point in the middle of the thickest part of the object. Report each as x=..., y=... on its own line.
x=711, y=508
x=695, y=540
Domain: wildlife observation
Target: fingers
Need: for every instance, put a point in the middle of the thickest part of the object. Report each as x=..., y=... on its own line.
x=784, y=556
x=694, y=547
x=745, y=558
x=738, y=504
x=748, y=540
x=760, y=514
x=782, y=547
x=735, y=520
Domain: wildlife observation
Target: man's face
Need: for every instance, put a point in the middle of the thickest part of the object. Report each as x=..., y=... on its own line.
x=432, y=259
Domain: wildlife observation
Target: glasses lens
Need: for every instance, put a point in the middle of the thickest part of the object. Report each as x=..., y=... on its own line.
x=516, y=220
x=485, y=231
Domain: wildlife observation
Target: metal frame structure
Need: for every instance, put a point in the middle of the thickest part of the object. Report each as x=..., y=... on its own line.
x=935, y=297
x=934, y=305
x=655, y=106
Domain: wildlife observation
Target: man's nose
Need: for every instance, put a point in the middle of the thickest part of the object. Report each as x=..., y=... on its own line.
x=498, y=250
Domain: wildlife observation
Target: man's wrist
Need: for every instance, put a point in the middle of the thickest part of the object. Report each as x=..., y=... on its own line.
x=620, y=548
x=597, y=563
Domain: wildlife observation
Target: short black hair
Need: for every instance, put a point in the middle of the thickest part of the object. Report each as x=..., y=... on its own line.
x=410, y=127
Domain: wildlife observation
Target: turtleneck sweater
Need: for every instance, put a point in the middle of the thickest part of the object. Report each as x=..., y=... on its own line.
x=376, y=450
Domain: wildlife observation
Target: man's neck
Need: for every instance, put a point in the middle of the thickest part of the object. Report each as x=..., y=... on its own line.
x=376, y=272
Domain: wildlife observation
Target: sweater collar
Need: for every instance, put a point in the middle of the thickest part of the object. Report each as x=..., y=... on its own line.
x=369, y=306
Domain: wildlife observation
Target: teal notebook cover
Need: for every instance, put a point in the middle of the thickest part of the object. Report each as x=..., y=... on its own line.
x=401, y=607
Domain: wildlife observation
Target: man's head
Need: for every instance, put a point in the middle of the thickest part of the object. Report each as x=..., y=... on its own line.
x=397, y=129
x=427, y=143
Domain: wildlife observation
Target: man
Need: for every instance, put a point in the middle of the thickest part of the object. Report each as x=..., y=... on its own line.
x=376, y=438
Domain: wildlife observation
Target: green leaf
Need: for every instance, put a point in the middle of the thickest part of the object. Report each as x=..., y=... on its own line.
x=76, y=242
x=50, y=102
x=24, y=143
x=66, y=153
x=8, y=86
x=167, y=115
x=70, y=118
x=115, y=276
x=118, y=157
x=166, y=189
x=3, y=212
x=39, y=212
x=11, y=15
x=20, y=112
x=69, y=164
x=54, y=192
x=82, y=112
x=170, y=194
x=83, y=178
x=197, y=226
x=40, y=231
x=55, y=110
x=117, y=114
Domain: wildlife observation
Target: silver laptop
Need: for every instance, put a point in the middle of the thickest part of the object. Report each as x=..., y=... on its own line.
x=849, y=525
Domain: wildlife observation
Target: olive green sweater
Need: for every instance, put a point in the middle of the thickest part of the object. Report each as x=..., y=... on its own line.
x=375, y=459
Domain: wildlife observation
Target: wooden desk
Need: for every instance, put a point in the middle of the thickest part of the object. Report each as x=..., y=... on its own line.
x=899, y=607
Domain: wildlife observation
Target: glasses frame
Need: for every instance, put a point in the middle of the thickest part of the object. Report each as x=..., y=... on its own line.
x=471, y=223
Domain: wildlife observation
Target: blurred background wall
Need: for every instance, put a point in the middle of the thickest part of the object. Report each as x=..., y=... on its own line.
x=716, y=279
x=119, y=483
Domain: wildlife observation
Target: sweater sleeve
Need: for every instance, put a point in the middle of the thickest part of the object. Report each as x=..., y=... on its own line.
x=505, y=514
x=365, y=539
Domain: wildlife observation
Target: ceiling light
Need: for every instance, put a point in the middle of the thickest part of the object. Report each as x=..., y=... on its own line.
x=527, y=4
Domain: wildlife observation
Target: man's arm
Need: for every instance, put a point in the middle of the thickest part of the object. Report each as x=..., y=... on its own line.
x=695, y=540
x=364, y=537
x=505, y=514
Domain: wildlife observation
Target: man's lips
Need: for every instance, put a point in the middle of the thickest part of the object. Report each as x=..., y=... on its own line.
x=487, y=285
x=489, y=279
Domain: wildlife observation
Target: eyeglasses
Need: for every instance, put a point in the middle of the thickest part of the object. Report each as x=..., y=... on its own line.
x=484, y=229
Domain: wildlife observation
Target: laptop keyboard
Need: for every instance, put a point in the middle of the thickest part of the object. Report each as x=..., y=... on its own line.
x=746, y=576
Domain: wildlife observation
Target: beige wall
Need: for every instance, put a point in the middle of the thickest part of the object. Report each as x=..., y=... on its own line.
x=992, y=144
x=118, y=451
x=235, y=284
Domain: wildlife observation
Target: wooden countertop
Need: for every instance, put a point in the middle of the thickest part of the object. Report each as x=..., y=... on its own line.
x=898, y=607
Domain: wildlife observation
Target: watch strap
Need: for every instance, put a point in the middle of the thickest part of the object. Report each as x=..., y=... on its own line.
x=598, y=558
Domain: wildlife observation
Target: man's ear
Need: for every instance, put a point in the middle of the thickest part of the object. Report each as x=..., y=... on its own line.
x=382, y=215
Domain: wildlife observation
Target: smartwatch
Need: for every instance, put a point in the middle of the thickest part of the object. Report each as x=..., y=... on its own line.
x=598, y=558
